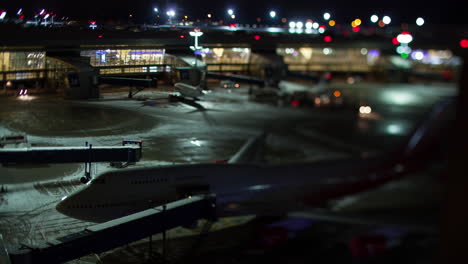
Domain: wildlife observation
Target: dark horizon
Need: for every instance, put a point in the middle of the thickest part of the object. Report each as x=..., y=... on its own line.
x=246, y=11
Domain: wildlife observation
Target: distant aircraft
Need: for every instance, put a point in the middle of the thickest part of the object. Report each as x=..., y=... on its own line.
x=188, y=91
x=319, y=94
x=292, y=87
x=243, y=187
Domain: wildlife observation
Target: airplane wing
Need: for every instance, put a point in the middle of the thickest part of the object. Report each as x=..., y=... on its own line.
x=411, y=203
x=422, y=221
x=251, y=152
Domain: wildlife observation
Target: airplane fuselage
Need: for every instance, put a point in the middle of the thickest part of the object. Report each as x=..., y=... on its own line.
x=239, y=189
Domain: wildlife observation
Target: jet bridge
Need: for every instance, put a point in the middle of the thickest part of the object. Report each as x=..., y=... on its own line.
x=236, y=78
x=128, y=152
x=118, y=232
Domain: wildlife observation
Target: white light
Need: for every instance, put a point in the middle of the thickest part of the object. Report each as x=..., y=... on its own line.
x=327, y=51
x=209, y=15
x=374, y=18
x=400, y=97
x=308, y=31
x=299, y=24
x=156, y=10
x=308, y=25
x=63, y=198
x=19, y=11
x=289, y=50
x=170, y=13
x=420, y=21
x=230, y=12
x=326, y=16
x=42, y=12
x=404, y=38
x=321, y=30
x=2, y=15
x=292, y=24
x=272, y=14
x=365, y=110
x=403, y=49
x=46, y=16
x=387, y=20
x=315, y=25
x=417, y=55
x=394, y=129
x=233, y=16
x=274, y=30
x=196, y=33
x=364, y=51
x=196, y=142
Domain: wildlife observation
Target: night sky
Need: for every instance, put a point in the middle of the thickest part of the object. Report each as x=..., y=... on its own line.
x=247, y=11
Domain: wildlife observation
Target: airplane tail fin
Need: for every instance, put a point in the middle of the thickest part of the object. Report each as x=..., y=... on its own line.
x=251, y=152
x=431, y=136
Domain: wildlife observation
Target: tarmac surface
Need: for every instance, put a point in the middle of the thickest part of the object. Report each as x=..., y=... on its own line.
x=214, y=129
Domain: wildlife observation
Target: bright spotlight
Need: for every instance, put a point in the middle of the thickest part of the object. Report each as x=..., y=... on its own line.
x=299, y=24
x=326, y=16
x=404, y=38
x=417, y=55
x=374, y=18
x=230, y=12
x=420, y=21
x=387, y=20
x=170, y=13
x=272, y=14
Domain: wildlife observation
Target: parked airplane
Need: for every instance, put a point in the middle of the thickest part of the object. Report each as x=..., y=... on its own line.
x=243, y=188
x=293, y=87
x=189, y=91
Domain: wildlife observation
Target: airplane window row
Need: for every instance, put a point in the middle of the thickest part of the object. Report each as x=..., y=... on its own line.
x=100, y=205
x=148, y=181
x=153, y=202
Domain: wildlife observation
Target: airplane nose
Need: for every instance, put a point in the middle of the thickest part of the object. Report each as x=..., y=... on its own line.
x=62, y=205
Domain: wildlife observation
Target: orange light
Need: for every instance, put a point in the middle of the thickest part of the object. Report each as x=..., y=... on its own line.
x=284, y=20
x=357, y=21
x=332, y=23
x=337, y=93
x=353, y=24
x=381, y=23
